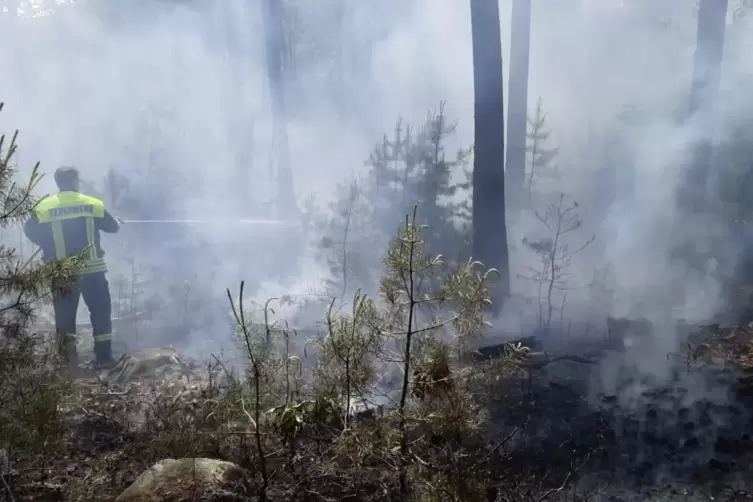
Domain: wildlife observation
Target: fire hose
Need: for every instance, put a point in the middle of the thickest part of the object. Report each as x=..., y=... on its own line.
x=215, y=222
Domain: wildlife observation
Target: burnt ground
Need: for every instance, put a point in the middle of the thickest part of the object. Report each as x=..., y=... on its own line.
x=691, y=430
x=549, y=434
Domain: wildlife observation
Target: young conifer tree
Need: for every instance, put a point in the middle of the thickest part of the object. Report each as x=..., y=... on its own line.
x=30, y=387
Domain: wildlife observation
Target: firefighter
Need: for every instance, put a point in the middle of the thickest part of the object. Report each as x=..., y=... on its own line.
x=67, y=224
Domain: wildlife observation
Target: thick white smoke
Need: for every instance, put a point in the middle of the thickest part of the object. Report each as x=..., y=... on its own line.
x=175, y=96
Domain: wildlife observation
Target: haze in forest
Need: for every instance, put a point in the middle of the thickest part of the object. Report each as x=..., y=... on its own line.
x=175, y=97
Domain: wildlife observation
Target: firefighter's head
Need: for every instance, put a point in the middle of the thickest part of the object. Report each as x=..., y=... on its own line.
x=67, y=179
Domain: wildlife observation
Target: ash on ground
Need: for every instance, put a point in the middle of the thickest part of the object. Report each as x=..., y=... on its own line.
x=656, y=419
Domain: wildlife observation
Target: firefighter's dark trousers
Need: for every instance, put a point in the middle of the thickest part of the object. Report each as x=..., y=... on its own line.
x=96, y=292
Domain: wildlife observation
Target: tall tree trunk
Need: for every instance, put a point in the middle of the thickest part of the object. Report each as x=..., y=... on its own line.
x=489, y=227
x=692, y=245
x=230, y=32
x=712, y=16
x=276, y=51
x=517, y=105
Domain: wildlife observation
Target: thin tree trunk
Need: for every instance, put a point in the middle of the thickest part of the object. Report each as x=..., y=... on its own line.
x=275, y=45
x=712, y=16
x=489, y=227
x=693, y=249
x=517, y=106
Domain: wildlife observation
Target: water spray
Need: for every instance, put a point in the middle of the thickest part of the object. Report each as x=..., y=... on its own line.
x=278, y=223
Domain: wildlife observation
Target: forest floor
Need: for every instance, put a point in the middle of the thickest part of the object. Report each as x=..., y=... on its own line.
x=547, y=434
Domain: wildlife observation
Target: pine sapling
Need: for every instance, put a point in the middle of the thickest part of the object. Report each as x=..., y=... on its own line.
x=540, y=163
x=348, y=352
x=560, y=219
x=414, y=305
x=31, y=386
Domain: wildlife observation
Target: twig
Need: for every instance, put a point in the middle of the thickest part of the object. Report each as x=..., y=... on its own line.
x=112, y=393
x=7, y=487
x=31, y=258
x=243, y=407
x=91, y=412
x=502, y=443
x=565, y=482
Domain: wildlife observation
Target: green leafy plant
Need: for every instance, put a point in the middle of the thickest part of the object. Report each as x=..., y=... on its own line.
x=348, y=350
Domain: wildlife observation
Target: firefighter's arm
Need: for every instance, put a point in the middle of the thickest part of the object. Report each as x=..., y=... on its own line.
x=33, y=230
x=108, y=224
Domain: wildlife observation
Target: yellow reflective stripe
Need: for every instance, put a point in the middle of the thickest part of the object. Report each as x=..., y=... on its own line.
x=90, y=233
x=103, y=338
x=59, y=239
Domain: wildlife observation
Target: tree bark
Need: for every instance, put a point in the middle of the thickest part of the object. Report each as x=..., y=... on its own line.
x=517, y=106
x=276, y=50
x=489, y=226
x=707, y=63
x=692, y=247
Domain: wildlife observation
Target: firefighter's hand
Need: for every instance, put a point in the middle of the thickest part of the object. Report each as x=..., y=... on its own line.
x=119, y=220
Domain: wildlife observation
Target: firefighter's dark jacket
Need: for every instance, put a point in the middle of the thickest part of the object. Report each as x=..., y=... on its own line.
x=67, y=224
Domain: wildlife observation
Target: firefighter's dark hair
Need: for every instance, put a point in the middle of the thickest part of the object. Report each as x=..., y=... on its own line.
x=66, y=177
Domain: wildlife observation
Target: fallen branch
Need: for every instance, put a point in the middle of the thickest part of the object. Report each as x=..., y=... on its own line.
x=498, y=350
x=91, y=412
x=7, y=488
x=502, y=443
x=537, y=365
x=566, y=481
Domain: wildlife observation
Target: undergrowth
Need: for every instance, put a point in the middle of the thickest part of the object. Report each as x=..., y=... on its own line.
x=393, y=408
x=31, y=386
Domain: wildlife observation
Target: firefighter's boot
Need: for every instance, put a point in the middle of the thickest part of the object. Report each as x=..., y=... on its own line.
x=103, y=353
